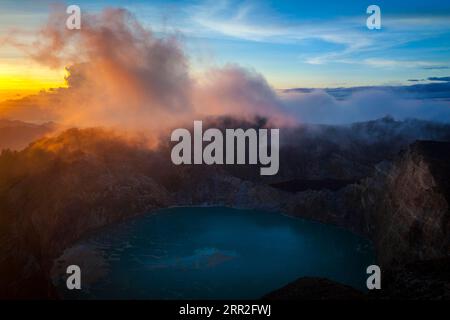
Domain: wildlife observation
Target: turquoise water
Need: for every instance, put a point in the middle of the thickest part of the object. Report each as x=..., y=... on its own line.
x=217, y=253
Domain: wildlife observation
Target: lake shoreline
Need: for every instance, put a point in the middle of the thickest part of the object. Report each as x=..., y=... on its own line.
x=235, y=223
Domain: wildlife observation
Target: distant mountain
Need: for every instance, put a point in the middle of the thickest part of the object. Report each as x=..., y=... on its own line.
x=16, y=135
x=435, y=90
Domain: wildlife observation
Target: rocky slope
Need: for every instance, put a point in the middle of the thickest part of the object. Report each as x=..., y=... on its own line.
x=60, y=188
x=406, y=213
x=315, y=289
x=421, y=280
x=407, y=205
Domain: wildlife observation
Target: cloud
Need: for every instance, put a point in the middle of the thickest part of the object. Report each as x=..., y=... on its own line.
x=446, y=79
x=252, y=21
x=233, y=90
x=120, y=74
x=436, y=67
x=390, y=63
x=319, y=106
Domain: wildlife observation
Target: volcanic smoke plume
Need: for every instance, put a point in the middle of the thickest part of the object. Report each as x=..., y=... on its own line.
x=121, y=75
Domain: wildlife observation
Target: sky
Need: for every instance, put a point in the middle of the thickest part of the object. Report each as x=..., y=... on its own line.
x=292, y=44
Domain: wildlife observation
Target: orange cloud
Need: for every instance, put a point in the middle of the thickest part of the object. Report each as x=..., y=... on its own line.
x=121, y=75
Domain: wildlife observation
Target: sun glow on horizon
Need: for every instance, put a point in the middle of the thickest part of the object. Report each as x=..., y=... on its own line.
x=21, y=77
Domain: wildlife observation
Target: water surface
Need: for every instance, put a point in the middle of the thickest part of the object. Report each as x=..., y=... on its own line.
x=212, y=253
